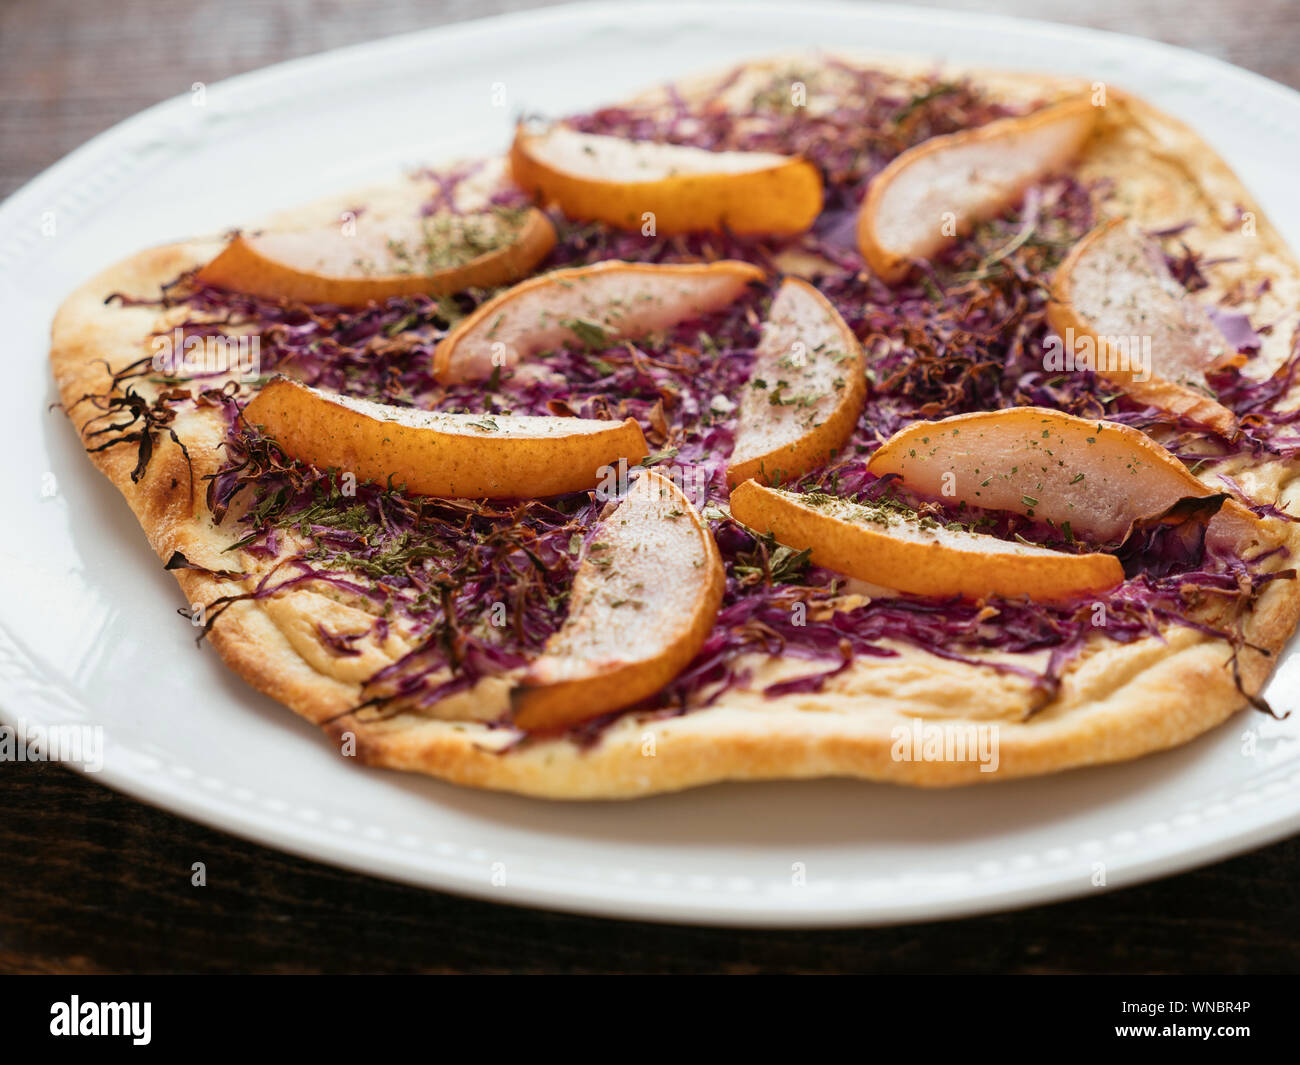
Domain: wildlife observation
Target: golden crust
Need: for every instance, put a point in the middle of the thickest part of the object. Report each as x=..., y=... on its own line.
x=1118, y=702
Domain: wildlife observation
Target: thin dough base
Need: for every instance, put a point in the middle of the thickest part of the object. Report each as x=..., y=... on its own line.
x=1118, y=702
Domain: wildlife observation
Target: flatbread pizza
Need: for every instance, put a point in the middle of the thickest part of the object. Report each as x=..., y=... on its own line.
x=825, y=416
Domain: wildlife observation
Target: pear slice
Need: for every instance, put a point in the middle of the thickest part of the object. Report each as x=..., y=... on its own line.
x=643, y=602
x=1097, y=476
x=1115, y=293
x=385, y=257
x=611, y=301
x=629, y=184
x=892, y=548
x=475, y=456
x=805, y=392
x=940, y=188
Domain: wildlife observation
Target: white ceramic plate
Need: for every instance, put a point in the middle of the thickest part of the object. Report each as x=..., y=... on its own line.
x=88, y=630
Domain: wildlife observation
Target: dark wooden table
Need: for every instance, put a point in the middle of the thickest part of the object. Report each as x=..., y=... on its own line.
x=92, y=881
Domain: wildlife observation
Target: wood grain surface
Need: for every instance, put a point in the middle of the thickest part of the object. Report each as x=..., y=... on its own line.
x=91, y=881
